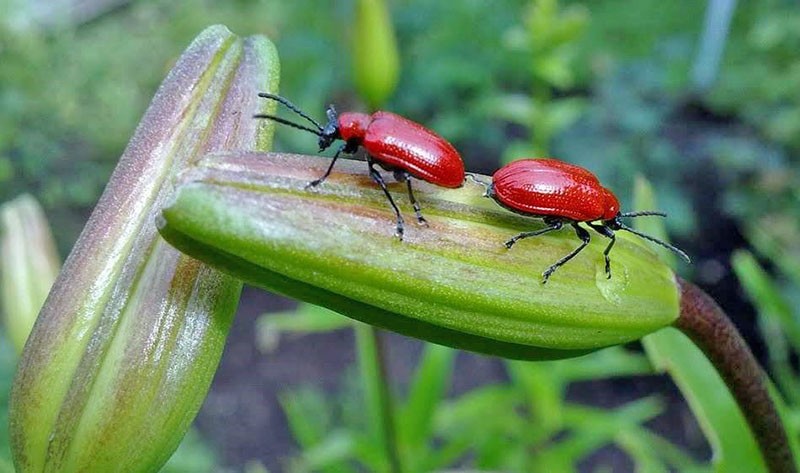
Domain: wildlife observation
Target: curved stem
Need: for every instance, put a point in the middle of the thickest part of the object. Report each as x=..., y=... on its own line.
x=702, y=320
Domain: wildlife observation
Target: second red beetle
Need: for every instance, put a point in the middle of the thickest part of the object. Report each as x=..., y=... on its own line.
x=562, y=193
x=394, y=143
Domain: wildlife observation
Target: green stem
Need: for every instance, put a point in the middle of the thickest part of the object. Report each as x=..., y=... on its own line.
x=376, y=387
x=702, y=320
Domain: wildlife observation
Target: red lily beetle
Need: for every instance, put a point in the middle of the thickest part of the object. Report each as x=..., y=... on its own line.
x=562, y=193
x=395, y=143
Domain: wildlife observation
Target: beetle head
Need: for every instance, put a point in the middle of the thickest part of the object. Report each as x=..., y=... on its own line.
x=330, y=132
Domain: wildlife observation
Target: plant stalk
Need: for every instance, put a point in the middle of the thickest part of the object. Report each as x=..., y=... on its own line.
x=703, y=321
x=371, y=353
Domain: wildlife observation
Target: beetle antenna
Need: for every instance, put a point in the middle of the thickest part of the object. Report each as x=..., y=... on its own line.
x=643, y=213
x=666, y=245
x=290, y=106
x=287, y=122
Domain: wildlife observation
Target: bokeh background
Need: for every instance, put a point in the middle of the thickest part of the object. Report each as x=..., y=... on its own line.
x=701, y=98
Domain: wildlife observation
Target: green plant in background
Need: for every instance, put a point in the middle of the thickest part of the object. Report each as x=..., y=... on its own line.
x=758, y=83
x=761, y=71
x=775, y=299
x=436, y=433
x=547, y=42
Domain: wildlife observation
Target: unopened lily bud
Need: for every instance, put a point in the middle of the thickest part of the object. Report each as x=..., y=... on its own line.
x=29, y=264
x=124, y=349
x=453, y=282
x=376, y=61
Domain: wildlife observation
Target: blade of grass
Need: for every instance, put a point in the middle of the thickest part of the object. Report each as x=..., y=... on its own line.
x=428, y=389
x=765, y=295
x=377, y=394
x=776, y=320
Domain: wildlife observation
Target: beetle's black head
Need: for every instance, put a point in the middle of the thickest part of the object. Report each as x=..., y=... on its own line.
x=613, y=223
x=330, y=132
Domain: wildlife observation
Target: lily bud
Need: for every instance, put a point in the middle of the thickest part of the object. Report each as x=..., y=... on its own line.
x=126, y=345
x=29, y=264
x=453, y=283
x=376, y=61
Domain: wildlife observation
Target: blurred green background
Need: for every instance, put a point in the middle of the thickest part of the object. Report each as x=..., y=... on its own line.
x=704, y=105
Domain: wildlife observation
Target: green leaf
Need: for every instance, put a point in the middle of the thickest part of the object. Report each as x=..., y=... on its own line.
x=765, y=295
x=307, y=318
x=124, y=350
x=775, y=317
x=381, y=432
x=774, y=237
x=332, y=454
x=454, y=283
x=589, y=429
x=428, y=389
x=465, y=424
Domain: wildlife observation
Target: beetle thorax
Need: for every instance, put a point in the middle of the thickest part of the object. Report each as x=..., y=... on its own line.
x=353, y=125
x=611, y=205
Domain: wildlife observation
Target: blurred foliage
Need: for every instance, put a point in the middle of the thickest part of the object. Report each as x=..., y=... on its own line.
x=529, y=413
x=761, y=73
x=758, y=85
x=776, y=298
x=548, y=44
x=624, y=131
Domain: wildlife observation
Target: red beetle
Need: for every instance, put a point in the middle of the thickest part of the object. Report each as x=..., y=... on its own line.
x=560, y=193
x=395, y=143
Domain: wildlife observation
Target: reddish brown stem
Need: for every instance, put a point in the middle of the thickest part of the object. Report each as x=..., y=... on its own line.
x=702, y=320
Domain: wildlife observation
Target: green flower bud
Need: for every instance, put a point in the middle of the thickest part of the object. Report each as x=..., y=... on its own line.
x=454, y=283
x=124, y=349
x=375, y=57
x=29, y=264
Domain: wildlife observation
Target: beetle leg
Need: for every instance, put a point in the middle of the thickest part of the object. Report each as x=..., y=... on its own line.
x=376, y=176
x=585, y=238
x=404, y=176
x=319, y=181
x=554, y=225
x=608, y=233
